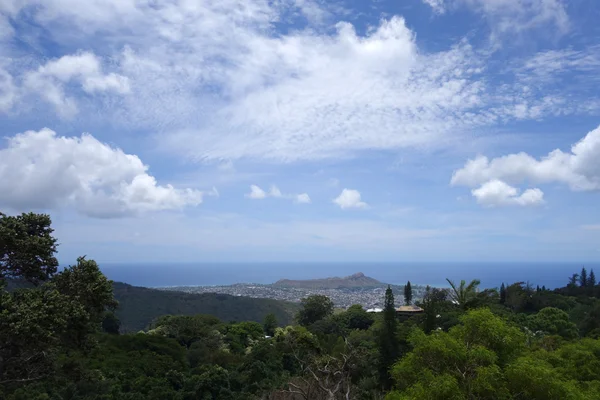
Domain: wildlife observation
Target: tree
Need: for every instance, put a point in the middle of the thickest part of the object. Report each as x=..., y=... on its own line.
x=389, y=349
x=464, y=363
x=407, y=294
x=314, y=308
x=433, y=302
x=463, y=294
x=502, y=294
x=110, y=323
x=573, y=280
x=583, y=278
x=592, y=280
x=553, y=321
x=32, y=322
x=27, y=247
x=356, y=317
x=270, y=324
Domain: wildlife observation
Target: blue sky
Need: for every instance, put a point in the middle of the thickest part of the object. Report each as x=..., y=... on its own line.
x=255, y=130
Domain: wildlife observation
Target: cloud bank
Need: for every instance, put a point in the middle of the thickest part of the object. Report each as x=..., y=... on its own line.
x=41, y=170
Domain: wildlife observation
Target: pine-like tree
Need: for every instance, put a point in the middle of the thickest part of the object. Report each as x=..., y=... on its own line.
x=591, y=279
x=573, y=280
x=583, y=278
x=502, y=293
x=389, y=348
x=407, y=294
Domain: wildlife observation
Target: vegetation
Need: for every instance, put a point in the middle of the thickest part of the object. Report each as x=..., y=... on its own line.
x=139, y=306
x=408, y=294
x=61, y=338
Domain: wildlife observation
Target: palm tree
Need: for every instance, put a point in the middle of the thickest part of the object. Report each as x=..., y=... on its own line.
x=463, y=294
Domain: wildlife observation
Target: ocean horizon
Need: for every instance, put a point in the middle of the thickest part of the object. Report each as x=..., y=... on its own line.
x=491, y=274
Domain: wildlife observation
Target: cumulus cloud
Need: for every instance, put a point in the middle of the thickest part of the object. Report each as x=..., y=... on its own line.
x=579, y=168
x=303, y=198
x=256, y=193
x=349, y=198
x=497, y=193
x=42, y=170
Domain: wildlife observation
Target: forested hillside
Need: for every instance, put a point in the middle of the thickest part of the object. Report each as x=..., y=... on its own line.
x=138, y=306
x=60, y=339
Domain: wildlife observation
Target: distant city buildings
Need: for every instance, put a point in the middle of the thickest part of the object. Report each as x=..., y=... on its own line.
x=370, y=298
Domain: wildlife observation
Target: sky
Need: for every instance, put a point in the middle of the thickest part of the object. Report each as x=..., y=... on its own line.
x=304, y=130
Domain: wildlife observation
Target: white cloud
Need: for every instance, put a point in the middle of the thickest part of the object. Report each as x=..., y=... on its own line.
x=303, y=198
x=591, y=227
x=497, y=193
x=41, y=170
x=436, y=5
x=349, y=198
x=256, y=193
x=8, y=91
x=579, y=169
x=51, y=80
x=548, y=64
x=216, y=84
x=275, y=192
x=511, y=16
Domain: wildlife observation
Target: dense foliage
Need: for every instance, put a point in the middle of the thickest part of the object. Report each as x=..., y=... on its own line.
x=139, y=306
x=62, y=339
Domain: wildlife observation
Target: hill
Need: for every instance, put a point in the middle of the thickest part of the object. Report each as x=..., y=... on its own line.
x=357, y=280
x=138, y=306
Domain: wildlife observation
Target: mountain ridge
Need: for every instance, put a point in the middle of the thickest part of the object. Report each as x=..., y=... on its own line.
x=356, y=280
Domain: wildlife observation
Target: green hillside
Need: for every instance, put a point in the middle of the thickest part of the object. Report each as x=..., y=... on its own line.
x=138, y=306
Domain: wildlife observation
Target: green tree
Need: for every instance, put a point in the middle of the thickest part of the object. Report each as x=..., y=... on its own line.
x=592, y=280
x=407, y=294
x=85, y=285
x=110, y=323
x=553, y=321
x=27, y=247
x=502, y=294
x=434, y=301
x=583, y=278
x=464, y=363
x=574, y=279
x=389, y=349
x=270, y=324
x=314, y=308
x=463, y=294
x=32, y=322
x=355, y=317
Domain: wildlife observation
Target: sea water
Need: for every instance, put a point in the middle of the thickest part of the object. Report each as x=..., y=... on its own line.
x=491, y=274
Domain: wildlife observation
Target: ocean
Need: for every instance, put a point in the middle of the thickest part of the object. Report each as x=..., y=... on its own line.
x=491, y=274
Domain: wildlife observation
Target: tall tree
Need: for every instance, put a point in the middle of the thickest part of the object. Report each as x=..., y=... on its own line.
x=583, y=278
x=27, y=247
x=573, y=280
x=502, y=294
x=433, y=303
x=314, y=308
x=407, y=294
x=389, y=347
x=463, y=294
x=270, y=324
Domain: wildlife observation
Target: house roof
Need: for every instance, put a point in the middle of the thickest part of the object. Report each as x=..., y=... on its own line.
x=409, y=309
